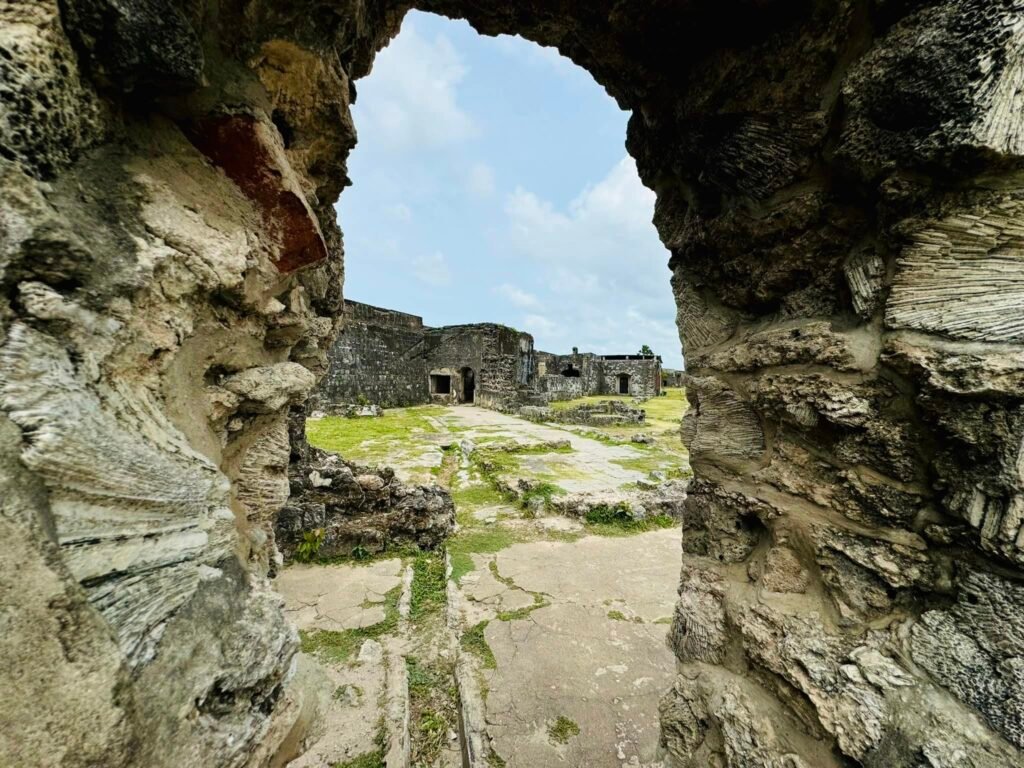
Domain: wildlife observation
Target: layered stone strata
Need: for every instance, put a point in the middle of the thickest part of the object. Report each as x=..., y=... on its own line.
x=838, y=183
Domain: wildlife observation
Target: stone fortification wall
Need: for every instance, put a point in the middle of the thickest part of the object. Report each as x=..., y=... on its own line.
x=374, y=358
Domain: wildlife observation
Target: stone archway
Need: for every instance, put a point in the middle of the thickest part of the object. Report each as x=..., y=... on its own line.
x=836, y=184
x=468, y=384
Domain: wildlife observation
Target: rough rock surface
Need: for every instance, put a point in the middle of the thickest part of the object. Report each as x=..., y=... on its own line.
x=356, y=507
x=839, y=187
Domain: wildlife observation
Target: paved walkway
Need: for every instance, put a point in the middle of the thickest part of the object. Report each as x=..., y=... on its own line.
x=590, y=468
x=593, y=656
x=551, y=642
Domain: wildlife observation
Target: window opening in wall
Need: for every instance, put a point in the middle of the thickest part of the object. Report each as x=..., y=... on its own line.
x=440, y=384
x=623, y=383
x=571, y=371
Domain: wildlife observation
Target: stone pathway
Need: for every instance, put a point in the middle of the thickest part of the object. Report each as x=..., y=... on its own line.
x=343, y=600
x=577, y=634
x=590, y=468
x=546, y=645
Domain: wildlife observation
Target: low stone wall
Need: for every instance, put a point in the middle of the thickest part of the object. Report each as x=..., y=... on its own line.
x=555, y=387
x=603, y=412
x=355, y=507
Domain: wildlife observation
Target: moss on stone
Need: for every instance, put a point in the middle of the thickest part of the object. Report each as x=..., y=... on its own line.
x=562, y=729
x=338, y=646
x=474, y=641
x=428, y=593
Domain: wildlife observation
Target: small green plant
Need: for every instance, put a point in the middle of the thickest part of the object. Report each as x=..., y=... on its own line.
x=617, y=616
x=562, y=729
x=373, y=759
x=362, y=400
x=359, y=552
x=309, y=547
x=343, y=692
x=429, y=586
x=544, y=492
x=473, y=640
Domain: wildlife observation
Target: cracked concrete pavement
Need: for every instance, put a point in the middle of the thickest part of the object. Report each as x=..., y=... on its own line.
x=592, y=651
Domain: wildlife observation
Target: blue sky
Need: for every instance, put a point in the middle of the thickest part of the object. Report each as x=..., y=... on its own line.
x=491, y=184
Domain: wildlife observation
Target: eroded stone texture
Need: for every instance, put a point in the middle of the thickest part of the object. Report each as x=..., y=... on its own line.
x=837, y=184
x=355, y=507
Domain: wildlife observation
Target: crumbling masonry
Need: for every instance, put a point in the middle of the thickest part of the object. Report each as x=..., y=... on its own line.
x=391, y=359
x=838, y=183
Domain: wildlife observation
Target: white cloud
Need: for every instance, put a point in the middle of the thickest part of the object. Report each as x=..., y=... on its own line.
x=432, y=269
x=602, y=263
x=480, y=180
x=411, y=100
x=518, y=296
x=541, y=56
x=538, y=325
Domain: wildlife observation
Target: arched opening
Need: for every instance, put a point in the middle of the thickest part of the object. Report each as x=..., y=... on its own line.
x=838, y=186
x=623, y=381
x=468, y=385
x=571, y=371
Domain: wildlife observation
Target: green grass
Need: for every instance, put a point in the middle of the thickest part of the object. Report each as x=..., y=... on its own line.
x=373, y=759
x=543, y=491
x=462, y=563
x=474, y=642
x=522, y=613
x=617, y=520
x=339, y=646
x=477, y=495
x=655, y=460
x=562, y=729
x=620, y=616
x=432, y=698
x=428, y=593
x=371, y=439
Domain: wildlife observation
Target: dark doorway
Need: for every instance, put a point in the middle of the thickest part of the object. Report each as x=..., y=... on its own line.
x=468, y=385
x=571, y=372
x=623, y=383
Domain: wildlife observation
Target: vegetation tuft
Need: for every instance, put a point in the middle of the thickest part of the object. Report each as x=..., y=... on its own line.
x=474, y=641
x=428, y=593
x=339, y=646
x=562, y=729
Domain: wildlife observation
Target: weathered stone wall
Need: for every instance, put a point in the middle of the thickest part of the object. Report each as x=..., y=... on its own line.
x=839, y=186
x=373, y=358
x=644, y=376
x=558, y=387
x=501, y=359
x=346, y=507
x=599, y=374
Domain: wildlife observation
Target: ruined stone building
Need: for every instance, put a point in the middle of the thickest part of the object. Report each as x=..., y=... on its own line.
x=564, y=377
x=839, y=189
x=391, y=359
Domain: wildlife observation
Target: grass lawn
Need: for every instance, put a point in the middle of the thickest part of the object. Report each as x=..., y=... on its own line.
x=374, y=440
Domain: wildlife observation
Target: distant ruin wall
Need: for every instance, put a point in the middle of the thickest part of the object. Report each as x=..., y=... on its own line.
x=371, y=360
x=501, y=359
